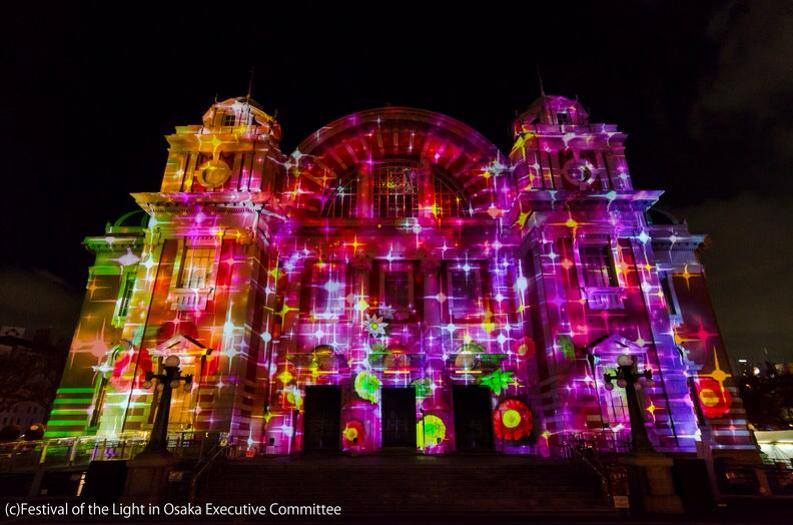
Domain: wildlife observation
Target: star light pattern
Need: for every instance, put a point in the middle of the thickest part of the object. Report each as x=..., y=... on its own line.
x=395, y=248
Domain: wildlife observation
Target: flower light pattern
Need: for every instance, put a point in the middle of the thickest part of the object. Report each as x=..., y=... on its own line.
x=398, y=248
x=512, y=420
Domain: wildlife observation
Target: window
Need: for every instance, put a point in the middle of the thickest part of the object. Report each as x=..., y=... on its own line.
x=197, y=266
x=395, y=190
x=465, y=289
x=562, y=118
x=342, y=202
x=229, y=119
x=126, y=295
x=615, y=403
x=396, y=286
x=327, y=282
x=449, y=202
x=666, y=287
x=397, y=289
x=598, y=266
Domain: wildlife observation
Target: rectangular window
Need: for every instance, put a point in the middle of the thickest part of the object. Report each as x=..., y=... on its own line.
x=598, y=266
x=396, y=286
x=614, y=402
x=666, y=287
x=327, y=283
x=228, y=120
x=395, y=190
x=126, y=295
x=563, y=118
x=197, y=265
x=465, y=289
x=397, y=289
x=616, y=406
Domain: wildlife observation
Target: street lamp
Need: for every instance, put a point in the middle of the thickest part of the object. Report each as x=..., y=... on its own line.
x=167, y=381
x=629, y=378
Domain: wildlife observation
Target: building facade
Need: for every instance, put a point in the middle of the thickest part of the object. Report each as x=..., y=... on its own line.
x=30, y=371
x=397, y=281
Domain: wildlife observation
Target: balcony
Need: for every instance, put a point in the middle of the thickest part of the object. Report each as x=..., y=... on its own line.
x=608, y=298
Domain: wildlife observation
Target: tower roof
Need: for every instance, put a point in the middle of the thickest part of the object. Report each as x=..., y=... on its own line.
x=240, y=111
x=552, y=109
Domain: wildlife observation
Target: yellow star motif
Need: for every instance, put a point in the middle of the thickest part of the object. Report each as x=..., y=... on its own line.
x=687, y=276
x=522, y=218
x=520, y=143
x=718, y=374
x=285, y=377
x=285, y=309
x=355, y=244
x=487, y=324
x=361, y=305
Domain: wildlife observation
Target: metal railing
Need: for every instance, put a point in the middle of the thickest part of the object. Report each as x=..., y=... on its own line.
x=596, y=442
x=586, y=449
x=771, y=478
x=81, y=450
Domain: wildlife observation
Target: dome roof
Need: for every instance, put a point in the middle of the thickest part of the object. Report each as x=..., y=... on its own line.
x=373, y=136
x=659, y=217
x=132, y=219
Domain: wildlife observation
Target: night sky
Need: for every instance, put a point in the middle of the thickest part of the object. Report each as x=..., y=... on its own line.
x=704, y=90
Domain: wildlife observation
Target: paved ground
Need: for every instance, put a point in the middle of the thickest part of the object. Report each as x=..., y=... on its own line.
x=331, y=470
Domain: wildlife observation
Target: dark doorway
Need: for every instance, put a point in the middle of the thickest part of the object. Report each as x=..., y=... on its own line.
x=399, y=417
x=472, y=420
x=322, y=419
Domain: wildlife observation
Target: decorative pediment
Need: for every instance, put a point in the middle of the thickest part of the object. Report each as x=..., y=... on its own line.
x=616, y=344
x=181, y=344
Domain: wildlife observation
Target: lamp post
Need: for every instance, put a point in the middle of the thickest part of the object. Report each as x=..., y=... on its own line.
x=657, y=492
x=629, y=378
x=168, y=380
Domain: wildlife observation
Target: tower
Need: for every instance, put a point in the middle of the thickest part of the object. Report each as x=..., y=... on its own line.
x=592, y=280
x=198, y=288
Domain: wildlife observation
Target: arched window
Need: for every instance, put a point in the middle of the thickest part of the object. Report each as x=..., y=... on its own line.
x=396, y=193
x=342, y=202
x=449, y=201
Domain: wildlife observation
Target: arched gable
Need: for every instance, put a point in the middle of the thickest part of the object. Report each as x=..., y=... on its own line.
x=362, y=140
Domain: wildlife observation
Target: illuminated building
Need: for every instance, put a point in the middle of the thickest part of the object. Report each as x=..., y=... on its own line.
x=397, y=281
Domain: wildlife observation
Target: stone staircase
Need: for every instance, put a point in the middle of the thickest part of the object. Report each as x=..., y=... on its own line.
x=410, y=485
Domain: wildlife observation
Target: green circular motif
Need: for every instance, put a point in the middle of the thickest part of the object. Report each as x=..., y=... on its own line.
x=430, y=431
x=367, y=386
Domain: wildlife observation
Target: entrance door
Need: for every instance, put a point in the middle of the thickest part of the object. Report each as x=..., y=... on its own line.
x=472, y=419
x=322, y=418
x=399, y=417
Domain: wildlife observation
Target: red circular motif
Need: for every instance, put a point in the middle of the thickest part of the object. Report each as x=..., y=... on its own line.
x=714, y=400
x=353, y=433
x=512, y=420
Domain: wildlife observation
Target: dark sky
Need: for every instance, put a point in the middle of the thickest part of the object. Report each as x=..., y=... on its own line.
x=704, y=89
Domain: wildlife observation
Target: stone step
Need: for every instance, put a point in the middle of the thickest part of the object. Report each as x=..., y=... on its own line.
x=411, y=485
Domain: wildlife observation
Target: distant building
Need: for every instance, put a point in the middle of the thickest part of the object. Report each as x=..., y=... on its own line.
x=30, y=370
x=767, y=391
x=398, y=281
